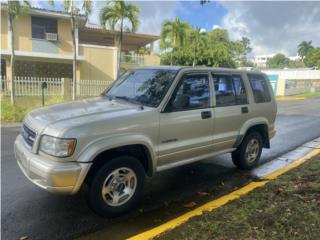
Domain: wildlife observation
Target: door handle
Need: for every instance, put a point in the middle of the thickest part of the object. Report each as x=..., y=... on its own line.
x=206, y=114
x=244, y=110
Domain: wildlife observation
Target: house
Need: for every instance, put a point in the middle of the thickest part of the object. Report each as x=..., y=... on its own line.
x=43, y=47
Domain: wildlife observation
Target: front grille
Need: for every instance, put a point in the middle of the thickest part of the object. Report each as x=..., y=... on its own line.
x=28, y=135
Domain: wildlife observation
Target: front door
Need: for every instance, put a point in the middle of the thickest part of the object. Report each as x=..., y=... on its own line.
x=186, y=125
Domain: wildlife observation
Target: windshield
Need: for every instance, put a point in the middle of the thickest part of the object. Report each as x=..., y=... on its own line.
x=143, y=86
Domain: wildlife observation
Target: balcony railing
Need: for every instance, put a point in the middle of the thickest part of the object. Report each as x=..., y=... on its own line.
x=132, y=59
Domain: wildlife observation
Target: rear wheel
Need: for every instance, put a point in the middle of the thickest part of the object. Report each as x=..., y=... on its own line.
x=116, y=187
x=248, y=153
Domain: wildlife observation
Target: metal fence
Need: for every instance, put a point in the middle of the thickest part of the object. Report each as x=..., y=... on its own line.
x=31, y=86
x=132, y=59
x=87, y=88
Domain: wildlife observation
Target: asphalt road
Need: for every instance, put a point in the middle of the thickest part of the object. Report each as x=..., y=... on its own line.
x=29, y=211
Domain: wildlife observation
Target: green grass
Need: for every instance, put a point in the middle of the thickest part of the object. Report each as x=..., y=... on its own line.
x=309, y=94
x=23, y=105
x=286, y=208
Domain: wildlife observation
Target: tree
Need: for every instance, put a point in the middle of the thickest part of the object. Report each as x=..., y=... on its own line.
x=219, y=35
x=278, y=61
x=313, y=58
x=174, y=34
x=196, y=36
x=241, y=50
x=15, y=10
x=117, y=12
x=71, y=6
x=304, y=48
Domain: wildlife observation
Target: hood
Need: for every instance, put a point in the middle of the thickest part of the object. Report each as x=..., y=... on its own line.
x=77, y=112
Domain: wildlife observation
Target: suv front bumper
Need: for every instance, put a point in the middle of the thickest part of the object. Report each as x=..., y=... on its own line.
x=53, y=176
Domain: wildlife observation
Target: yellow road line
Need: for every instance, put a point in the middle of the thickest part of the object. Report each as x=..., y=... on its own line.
x=290, y=98
x=149, y=234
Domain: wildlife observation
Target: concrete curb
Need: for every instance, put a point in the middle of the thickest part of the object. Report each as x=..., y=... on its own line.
x=10, y=124
x=286, y=159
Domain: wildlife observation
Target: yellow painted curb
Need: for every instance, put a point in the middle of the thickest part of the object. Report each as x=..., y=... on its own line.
x=289, y=98
x=198, y=211
x=220, y=201
x=290, y=166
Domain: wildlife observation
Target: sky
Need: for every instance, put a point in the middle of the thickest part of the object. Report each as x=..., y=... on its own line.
x=272, y=26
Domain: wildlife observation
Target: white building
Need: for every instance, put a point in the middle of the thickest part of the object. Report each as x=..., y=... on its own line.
x=261, y=60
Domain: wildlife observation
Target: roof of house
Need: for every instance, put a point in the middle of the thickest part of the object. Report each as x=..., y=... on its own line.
x=96, y=34
x=45, y=12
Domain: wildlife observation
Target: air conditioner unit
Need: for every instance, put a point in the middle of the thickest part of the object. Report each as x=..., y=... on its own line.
x=51, y=37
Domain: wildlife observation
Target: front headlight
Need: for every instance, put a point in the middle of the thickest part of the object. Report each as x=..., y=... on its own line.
x=58, y=147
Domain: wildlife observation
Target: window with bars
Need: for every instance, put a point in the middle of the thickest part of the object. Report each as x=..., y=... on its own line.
x=41, y=26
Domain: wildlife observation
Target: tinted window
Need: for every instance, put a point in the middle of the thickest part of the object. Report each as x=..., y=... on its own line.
x=229, y=90
x=145, y=86
x=259, y=88
x=41, y=26
x=193, y=92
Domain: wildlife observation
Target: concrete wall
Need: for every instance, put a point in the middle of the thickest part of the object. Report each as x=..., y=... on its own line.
x=4, y=30
x=297, y=81
x=151, y=60
x=23, y=36
x=100, y=62
x=22, y=33
x=65, y=37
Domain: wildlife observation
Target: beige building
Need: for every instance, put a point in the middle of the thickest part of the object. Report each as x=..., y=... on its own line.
x=43, y=47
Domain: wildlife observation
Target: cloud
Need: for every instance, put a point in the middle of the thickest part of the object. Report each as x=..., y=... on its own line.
x=215, y=27
x=152, y=14
x=273, y=26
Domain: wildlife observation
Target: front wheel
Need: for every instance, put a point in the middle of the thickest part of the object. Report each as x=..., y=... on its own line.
x=116, y=187
x=248, y=153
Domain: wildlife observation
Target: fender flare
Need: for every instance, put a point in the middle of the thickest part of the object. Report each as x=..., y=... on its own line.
x=249, y=124
x=93, y=149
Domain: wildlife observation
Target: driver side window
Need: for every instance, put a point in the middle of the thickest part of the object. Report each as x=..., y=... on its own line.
x=192, y=92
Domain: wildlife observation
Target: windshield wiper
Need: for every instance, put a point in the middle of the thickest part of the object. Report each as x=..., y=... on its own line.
x=123, y=98
x=129, y=100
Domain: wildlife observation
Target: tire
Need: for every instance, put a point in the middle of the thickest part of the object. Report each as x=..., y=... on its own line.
x=248, y=161
x=110, y=196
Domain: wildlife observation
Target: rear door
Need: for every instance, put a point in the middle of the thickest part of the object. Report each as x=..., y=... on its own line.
x=231, y=109
x=186, y=124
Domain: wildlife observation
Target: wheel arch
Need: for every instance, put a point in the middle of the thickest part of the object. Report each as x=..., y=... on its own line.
x=260, y=126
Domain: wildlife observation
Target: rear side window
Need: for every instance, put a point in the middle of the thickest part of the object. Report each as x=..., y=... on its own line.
x=229, y=90
x=259, y=88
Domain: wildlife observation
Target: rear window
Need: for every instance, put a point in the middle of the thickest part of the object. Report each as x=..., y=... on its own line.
x=260, y=88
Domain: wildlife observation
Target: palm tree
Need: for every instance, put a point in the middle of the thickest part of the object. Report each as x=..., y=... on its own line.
x=15, y=9
x=196, y=37
x=173, y=34
x=119, y=12
x=71, y=6
x=304, y=48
